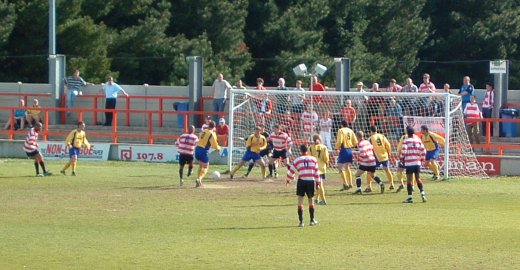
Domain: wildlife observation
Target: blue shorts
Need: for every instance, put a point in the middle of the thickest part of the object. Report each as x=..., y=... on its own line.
x=345, y=155
x=433, y=154
x=400, y=165
x=382, y=163
x=73, y=151
x=201, y=154
x=322, y=176
x=251, y=156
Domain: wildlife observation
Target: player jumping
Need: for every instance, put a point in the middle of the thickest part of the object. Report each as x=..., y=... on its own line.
x=282, y=144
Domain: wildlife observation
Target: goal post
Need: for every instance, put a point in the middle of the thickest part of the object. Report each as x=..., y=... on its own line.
x=305, y=113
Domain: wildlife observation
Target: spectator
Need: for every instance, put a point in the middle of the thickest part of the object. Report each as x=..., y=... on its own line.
x=239, y=85
x=426, y=87
x=317, y=86
x=265, y=109
x=297, y=100
x=19, y=117
x=395, y=114
x=222, y=132
x=326, y=129
x=206, y=123
x=33, y=113
x=393, y=86
x=487, y=106
x=309, y=121
x=373, y=105
x=220, y=91
x=282, y=101
x=257, y=99
x=472, y=115
x=349, y=113
x=409, y=104
x=111, y=90
x=72, y=86
x=288, y=122
x=466, y=91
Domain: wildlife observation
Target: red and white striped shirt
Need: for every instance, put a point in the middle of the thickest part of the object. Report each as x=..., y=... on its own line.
x=186, y=143
x=412, y=151
x=427, y=88
x=31, y=141
x=366, y=153
x=309, y=120
x=489, y=100
x=307, y=168
x=472, y=112
x=281, y=141
x=325, y=124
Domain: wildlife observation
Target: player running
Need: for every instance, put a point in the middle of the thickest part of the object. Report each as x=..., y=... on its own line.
x=76, y=139
x=321, y=153
x=31, y=149
x=431, y=142
x=382, y=150
x=207, y=139
x=255, y=144
x=307, y=168
x=412, y=154
x=282, y=144
x=345, y=141
x=186, y=148
x=264, y=152
x=366, y=162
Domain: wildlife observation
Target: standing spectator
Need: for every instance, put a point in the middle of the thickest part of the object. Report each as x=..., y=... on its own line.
x=325, y=130
x=220, y=90
x=487, y=106
x=309, y=121
x=257, y=99
x=222, y=132
x=33, y=113
x=206, y=123
x=409, y=103
x=31, y=149
x=360, y=101
x=373, y=105
x=395, y=114
x=288, y=122
x=72, y=85
x=282, y=101
x=307, y=168
x=265, y=109
x=349, y=113
x=472, y=114
x=76, y=139
x=466, y=91
x=111, y=90
x=19, y=117
x=297, y=100
x=186, y=147
x=239, y=85
x=393, y=86
x=426, y=87
x=317, y=86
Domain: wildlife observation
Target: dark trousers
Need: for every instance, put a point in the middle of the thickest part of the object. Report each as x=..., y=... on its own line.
x=110, y=103
x=486, y=113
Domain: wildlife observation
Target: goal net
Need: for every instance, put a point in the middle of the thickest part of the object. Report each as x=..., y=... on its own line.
x=305, y=113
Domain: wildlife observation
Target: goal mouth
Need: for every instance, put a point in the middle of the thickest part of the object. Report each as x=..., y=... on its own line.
x=304, y=114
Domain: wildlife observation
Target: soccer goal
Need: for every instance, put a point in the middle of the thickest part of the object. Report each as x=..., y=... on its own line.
x=305, y=113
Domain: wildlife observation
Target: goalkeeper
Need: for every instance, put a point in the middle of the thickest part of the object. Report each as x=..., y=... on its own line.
x=431, y=142
x=255, y=143
x=264, y=152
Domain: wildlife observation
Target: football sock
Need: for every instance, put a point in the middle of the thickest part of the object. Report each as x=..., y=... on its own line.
x=435, y=168
x=358, y=182
x=203, y=173
x=74, y=164
x=199, y=172
x=181, y=172
x=300, y=212
x=343, y=177
x=369, y=181
x=400, y=177
x=420, y=185
x=43, y=167
x=250, y=168
x=390, y=177
x=262, y=169
x=66, y=166
x=190, y=169
x=311, y=211
x=234, y=170
x=409, y=187
x=378, y=180
x=321, y=192
x=37, y=168
x=271, y=166
x=348, y=175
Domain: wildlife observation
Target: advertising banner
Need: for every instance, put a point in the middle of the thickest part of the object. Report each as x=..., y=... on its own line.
x=59, y=150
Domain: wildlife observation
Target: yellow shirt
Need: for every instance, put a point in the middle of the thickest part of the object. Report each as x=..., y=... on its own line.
x=77, y=138
x=429, y=144
x=400, y=145
x=207, y=139
x=34, y=110
x=382, y=147
x=320, y=152
x=346, y=138
x=256, y=144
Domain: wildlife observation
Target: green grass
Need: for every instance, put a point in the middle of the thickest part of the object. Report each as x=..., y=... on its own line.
x=117, y=215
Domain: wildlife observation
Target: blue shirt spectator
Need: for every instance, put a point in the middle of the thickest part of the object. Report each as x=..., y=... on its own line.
x=466, y=91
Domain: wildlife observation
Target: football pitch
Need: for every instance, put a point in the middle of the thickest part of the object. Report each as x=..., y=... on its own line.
x=122, y=215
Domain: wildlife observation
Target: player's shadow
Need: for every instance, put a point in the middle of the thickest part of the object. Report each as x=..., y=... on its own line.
x=168, y=187
x=262, y=205
x=251, y=228
x=366, y=203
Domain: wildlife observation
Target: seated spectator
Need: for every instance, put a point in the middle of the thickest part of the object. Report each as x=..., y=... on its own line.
x=19, y=117
x=33, y=113
x=222, y=132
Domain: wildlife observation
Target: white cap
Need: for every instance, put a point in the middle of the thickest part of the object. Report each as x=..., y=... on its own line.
x=222, y=120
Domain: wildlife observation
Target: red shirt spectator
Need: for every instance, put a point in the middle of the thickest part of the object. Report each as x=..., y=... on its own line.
x=222, y=132
x=348, y=112
x=317, y=86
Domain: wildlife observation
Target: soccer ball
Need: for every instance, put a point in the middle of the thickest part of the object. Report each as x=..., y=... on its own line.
x=216, y=175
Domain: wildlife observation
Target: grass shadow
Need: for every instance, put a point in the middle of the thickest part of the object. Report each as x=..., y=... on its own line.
x=263, y=205
x=251, y=228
